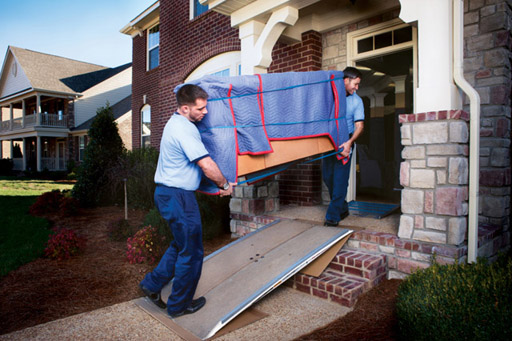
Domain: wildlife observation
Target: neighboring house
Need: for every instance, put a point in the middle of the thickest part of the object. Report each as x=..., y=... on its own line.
x=45, y=104
x=420, y=112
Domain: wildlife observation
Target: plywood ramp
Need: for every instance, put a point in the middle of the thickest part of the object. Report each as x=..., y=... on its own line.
x=239, y=274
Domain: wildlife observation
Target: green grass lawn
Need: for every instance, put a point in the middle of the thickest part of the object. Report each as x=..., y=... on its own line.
x=22, y=237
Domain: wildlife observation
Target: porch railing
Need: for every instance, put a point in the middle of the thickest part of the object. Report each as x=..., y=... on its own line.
x=41, y=119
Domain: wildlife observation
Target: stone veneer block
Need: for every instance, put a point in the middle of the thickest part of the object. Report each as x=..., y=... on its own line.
x=441, y=177
x=438, y=162
x=423, y=178
x=412, y=201
x=405, y=132
x=430, y=133
x=418, y=163
x=459, y=132
x=235, y=205
x=458, y=171
x=445, y=149
x=406, y=227
x=449, y=200
x=429, y=202
x=415, y=152
x=435, y=223
x=457, y=230
x=429, y=236
x=404, y=174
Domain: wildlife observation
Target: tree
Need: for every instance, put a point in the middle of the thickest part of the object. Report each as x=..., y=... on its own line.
x=104, y=149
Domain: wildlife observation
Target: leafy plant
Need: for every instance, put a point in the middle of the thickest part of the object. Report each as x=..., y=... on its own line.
x=457, y=302
x=64, y=244
x=119, y=230
x=48, y=202
x=144, y=246
x=101, y=155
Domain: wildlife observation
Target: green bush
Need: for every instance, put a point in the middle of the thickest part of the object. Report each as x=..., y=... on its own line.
x=153, y=218
x=94, y=185
x=457, y=302
x=119, y=230
x=138, y=168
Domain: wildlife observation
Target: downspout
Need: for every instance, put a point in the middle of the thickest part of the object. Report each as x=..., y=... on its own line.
x=474, y=126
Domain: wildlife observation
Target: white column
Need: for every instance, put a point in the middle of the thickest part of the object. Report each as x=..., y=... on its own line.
x=38, y=109
x=436, y=89
x=24, y=153
x=23, y=113
x=38, y=148
x=258, y=39
x=11, y=109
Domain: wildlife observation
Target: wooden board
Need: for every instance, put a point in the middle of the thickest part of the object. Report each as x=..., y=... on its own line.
x=241, y=273
x=284, y=151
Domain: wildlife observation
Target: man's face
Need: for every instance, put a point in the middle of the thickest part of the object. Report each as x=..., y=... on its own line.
x=352, y=85
x=197, y=111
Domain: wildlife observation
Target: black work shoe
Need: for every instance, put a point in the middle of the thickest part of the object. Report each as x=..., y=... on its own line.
x=330, y=223
x=194, y=306
x=153, y=297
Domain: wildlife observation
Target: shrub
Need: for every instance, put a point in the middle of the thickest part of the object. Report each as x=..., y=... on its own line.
x=457, y=302
x=120, y=230
x=48, y=202
x=138, y=168
x=6, y=166
x=93, y=186
x=144, y=246
x=68, y=206
x=64, y=244
x=154, y=219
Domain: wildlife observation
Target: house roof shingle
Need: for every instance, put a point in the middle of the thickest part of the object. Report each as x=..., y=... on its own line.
x=54, y=73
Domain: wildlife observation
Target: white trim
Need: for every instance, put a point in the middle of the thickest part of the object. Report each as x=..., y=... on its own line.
x=153, y=47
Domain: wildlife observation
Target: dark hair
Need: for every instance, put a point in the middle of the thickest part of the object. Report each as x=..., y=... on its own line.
x=352, y=73
x=189, y=93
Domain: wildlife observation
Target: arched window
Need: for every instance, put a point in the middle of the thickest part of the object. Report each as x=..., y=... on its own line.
x=224, y=64
x=145, y=127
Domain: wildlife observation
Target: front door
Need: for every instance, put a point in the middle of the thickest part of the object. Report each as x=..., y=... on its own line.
x=386, y=58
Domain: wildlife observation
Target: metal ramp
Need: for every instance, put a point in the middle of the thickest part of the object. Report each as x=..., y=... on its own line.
x=236, y=276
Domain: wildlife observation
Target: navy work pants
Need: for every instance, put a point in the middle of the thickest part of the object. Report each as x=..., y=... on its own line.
x=183, y=260
x=335, y=175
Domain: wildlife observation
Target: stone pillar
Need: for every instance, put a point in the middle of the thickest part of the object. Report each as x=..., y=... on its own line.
x=250, y=204
x=434, y=175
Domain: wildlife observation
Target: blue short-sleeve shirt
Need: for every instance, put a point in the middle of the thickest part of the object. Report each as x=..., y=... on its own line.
x=181, y=147
x=355, y=111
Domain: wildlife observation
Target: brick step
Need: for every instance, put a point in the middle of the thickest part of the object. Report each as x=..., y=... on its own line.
x=350, y=274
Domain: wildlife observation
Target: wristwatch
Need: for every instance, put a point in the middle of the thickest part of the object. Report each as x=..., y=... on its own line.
x=225, y=187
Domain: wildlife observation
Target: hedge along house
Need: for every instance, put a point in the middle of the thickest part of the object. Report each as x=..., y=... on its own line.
x=436, y=88
x=45, y=98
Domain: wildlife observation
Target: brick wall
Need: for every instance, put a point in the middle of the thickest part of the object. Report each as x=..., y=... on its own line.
x=302, y=184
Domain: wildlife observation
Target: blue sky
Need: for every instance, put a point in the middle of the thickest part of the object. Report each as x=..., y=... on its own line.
x=82, y=30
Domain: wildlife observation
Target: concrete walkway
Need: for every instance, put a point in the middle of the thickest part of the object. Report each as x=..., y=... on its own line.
x=290, y=315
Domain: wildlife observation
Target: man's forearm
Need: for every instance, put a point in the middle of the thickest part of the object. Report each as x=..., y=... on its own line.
x=212, y=171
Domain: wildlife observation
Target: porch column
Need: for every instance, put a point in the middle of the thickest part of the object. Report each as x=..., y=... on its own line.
x=38, y=148
x=23, y=113
x=258, y=39
x=38, y=110
x=436, y=90
x=11, y=109
x=24, y=154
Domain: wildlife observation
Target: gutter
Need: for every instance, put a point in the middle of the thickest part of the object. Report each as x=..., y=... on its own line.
x=474, y=127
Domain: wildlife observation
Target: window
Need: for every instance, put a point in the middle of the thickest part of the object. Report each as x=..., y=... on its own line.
x=197, y=9
x=81, y=147
x=224, y=64
x=145, y=126
x=384, y=40
x=153, y=47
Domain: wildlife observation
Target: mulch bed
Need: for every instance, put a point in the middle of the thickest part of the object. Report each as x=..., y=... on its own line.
x=45, y=290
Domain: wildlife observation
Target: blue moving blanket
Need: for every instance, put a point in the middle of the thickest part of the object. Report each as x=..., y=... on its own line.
x=245, y=113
